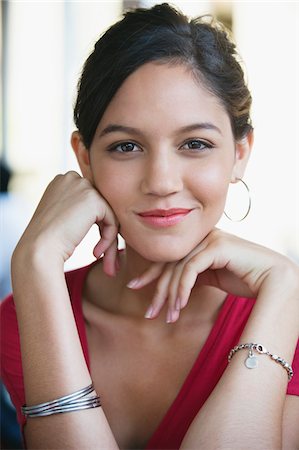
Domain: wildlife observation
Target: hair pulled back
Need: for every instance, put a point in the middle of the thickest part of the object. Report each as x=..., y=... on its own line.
x=162, y=34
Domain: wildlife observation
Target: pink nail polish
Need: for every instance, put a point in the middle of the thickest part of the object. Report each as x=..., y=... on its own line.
x=169, y=317
x=184, y=302
x=175, y=316
x=178, y=304
x=149, y=313
x=133, y=283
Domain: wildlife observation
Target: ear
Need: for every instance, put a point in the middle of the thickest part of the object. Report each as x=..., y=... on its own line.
x=242, y=153
x=82, y=155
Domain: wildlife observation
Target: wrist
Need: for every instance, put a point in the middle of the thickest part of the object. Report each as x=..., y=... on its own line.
x=283, y=280
x=32, y=257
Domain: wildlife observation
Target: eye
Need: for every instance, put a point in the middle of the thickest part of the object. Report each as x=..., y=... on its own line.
x=196, y=145
x=124, y=147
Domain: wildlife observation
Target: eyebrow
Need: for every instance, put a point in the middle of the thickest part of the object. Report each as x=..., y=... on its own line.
x=200, y=126
x=114, y=128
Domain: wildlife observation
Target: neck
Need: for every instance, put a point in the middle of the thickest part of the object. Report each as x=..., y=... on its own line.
x=128, y=300
x=113, y=295
x=134, y=264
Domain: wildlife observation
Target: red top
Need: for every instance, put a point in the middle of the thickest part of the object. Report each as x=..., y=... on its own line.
x=203, y=377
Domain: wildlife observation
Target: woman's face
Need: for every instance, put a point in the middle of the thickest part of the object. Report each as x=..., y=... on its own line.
x=163, y=156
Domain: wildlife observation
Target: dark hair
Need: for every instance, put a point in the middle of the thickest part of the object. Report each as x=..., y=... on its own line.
x=163, y=34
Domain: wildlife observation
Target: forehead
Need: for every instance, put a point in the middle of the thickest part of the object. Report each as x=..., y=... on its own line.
x=158, y=95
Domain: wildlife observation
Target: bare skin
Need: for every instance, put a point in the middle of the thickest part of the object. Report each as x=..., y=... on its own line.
x=165, y=172
x=127, y=342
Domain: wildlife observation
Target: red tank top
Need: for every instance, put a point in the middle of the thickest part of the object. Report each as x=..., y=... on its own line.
x=200, y=382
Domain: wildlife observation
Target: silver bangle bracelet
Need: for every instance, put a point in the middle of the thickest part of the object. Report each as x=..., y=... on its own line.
x=72, y=402
x=92, y=402
x=251, y=361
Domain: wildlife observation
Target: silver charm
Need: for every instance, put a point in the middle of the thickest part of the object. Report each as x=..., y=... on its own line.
x=251, y=362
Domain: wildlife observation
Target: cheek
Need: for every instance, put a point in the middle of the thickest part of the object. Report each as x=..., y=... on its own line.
x=113, y=184
x=210, y=184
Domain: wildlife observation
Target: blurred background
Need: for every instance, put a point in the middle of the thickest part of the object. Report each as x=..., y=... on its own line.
x=43, y=47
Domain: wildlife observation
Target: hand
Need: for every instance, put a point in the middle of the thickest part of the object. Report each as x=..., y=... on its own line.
x=221, y=260
x=66, y=212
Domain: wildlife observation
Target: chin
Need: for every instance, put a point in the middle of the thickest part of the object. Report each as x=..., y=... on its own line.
x=163, y=257
x=162, y=251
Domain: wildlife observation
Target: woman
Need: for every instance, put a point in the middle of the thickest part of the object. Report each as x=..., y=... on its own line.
x=163, y=118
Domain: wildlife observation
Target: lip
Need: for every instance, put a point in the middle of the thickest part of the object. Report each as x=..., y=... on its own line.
x=164, y=217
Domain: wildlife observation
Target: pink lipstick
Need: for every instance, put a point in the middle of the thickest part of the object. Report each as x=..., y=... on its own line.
x=164, y=217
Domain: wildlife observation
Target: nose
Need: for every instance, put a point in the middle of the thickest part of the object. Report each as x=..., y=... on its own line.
x=162, y=174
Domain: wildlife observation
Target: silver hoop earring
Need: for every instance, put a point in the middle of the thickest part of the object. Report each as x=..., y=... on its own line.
x=249, y=204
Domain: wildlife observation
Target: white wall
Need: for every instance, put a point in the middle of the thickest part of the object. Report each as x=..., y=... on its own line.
x=47, y=45
x=268, y=38
x=49, y=41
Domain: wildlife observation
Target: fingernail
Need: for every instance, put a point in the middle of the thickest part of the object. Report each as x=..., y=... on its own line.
x=184, y=302
x=133, y=283
x=178, y=304
x=149, y=313
x=169, y=316
x=175, y=316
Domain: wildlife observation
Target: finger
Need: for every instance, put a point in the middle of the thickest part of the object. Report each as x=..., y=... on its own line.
x=151, y=274
x=161, y=293
x=174, y=301
x=172, y=315
x=110, y=259
x=195, y=266
x=174, y=298
x=101, y=247
x=155, y=270
x=109, y=230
